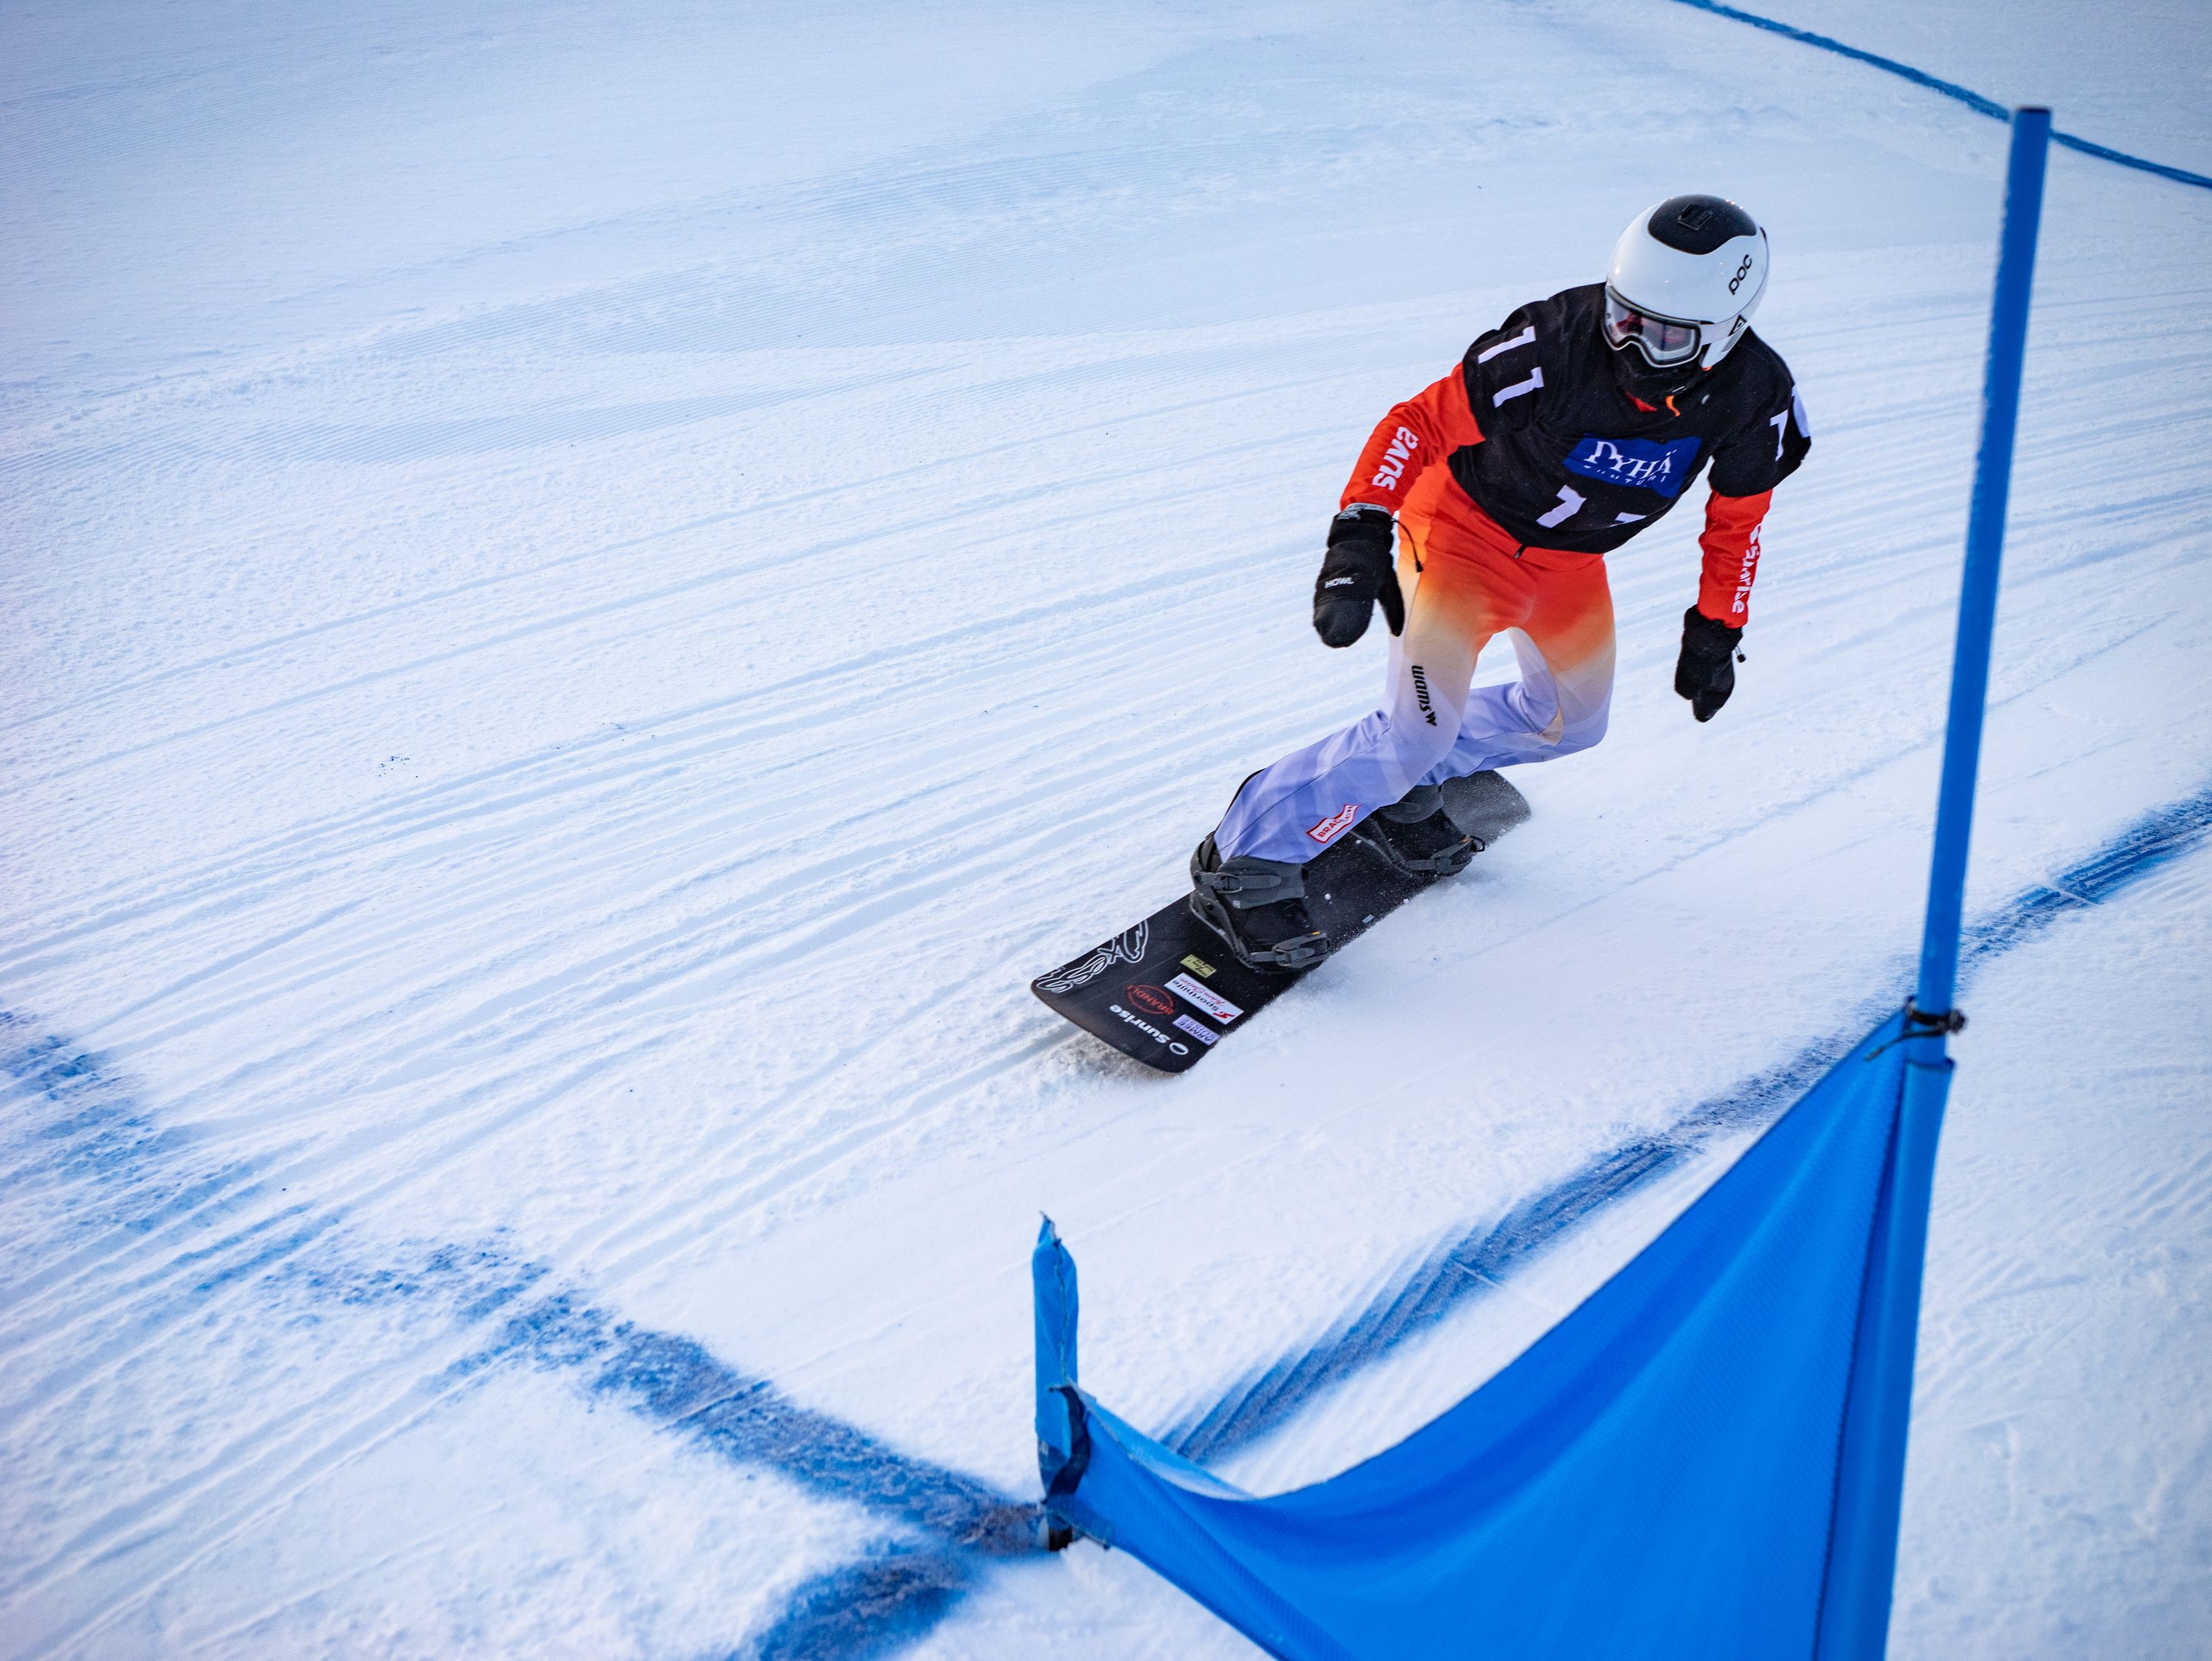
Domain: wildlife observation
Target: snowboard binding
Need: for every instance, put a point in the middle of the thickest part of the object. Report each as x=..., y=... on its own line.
x=1436, y=829
x=1258, y=908
x=1417, y=838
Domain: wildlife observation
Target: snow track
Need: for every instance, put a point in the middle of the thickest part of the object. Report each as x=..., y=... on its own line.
x=549, y=718
x=854, y=1607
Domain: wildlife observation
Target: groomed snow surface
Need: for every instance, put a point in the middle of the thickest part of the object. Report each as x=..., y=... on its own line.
x=590, y=591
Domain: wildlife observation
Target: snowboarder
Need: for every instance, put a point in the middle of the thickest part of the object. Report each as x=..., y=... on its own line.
x=1572, y=426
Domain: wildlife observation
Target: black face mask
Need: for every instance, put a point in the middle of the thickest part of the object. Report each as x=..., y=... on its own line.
x=1638, y=379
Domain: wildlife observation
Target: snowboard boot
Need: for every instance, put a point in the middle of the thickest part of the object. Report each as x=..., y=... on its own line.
x=1416, y=838
x=1258, y=907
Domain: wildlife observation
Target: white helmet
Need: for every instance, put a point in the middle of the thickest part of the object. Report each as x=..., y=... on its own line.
x=1687, y=276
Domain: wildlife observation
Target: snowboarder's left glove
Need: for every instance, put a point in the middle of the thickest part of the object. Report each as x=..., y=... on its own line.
x=1360, y=569
x=1705, y=673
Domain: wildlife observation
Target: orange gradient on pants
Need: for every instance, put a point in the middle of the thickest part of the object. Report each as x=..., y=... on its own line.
x=1466, y=580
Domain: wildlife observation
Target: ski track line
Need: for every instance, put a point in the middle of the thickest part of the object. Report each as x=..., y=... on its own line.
x=398, y=853
x=686, y=1212
x=379, y=1019
x=696, y=733
x=223, y=873
x=780, y=878
x=611, y=1232
x=461, y=439
x=628, y=602
x=109, y=1126
x=1178, y=462
x=859, y=1609
x=831, y=912
x=260, y=1244
x=771, y=941
x=775, y=1166
x=828, y=909
x=465, y=439
x=446, y=655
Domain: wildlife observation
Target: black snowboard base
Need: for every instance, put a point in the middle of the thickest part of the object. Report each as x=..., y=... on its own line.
x=1168, y=990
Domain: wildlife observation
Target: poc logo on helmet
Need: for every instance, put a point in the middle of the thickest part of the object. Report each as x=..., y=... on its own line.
x=1708, y=258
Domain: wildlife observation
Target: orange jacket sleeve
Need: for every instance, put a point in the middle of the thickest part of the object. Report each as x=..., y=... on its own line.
x=1415, y=435
x=1731, y=545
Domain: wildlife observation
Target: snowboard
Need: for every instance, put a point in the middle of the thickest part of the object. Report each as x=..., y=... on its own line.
x=1168, y=990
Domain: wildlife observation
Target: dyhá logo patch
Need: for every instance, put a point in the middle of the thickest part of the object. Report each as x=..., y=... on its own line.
x=1640, y=462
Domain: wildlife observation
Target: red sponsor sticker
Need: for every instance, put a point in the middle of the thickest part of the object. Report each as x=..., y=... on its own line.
x=1335, y=823
x=1153, y=1000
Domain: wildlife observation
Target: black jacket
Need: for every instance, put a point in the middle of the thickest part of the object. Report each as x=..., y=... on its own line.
x=1569, y=461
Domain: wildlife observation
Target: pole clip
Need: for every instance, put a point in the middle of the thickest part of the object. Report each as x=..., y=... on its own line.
x=1932, y=1023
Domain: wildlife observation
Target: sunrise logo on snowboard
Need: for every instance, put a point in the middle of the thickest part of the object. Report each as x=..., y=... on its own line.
x=1175, y=1047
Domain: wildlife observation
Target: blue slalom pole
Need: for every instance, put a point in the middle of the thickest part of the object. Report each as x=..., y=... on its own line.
x=1977, y=597
x=1870, y=1477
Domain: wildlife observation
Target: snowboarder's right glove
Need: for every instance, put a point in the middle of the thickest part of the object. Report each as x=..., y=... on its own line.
x=1705, y=673
x=1359, y=568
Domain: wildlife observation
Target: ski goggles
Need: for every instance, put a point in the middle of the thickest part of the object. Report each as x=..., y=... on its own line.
x=1665, y=340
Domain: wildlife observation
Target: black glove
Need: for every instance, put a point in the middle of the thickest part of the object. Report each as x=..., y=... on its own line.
x=1359, y=568
x=1705, y=673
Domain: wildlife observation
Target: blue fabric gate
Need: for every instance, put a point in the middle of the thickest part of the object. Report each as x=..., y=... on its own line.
x=1656, y=1476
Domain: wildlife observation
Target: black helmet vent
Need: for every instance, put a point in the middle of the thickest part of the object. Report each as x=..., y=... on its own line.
x=1699, y=224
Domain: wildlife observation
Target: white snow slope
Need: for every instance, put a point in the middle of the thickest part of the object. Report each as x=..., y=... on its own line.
x=589, y=591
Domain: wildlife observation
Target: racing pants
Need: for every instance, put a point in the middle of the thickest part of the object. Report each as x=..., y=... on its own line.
x=1465, y=579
